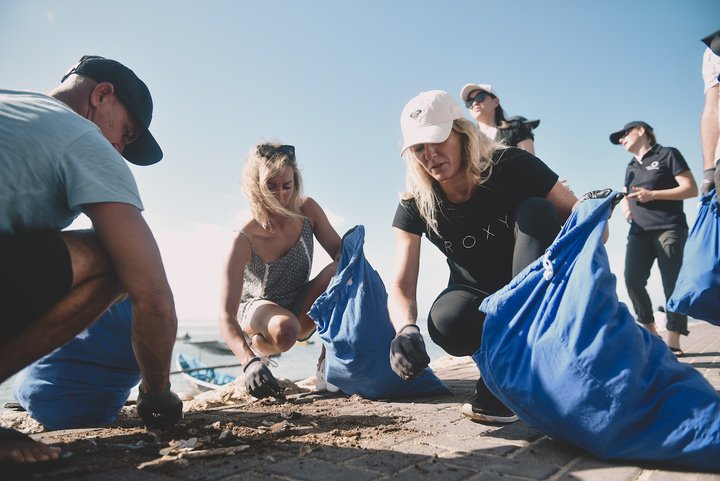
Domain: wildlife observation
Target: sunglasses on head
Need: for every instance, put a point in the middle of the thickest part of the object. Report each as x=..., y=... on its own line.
x=479, y=98
x=269, y=151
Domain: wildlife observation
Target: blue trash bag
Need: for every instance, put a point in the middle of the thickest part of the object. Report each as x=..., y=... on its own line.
x=86, y=382
x=566, y=356
x=697, y=290
x=354, y=325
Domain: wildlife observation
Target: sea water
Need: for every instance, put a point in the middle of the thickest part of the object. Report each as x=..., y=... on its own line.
x=299, y=363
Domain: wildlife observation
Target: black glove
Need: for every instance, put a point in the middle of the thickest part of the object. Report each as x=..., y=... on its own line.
x=259, y=381
x=708, y=182
x=159, y=411
x=601, y=194
x=408, y=356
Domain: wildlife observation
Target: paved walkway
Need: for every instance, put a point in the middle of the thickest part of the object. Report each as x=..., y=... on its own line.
x=417, y=441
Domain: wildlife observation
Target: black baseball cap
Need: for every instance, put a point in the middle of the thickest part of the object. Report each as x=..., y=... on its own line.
x=713, y=42
x=133, y=93
x=616, y=136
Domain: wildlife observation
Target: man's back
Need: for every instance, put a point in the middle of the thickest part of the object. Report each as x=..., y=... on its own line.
x=53, y=161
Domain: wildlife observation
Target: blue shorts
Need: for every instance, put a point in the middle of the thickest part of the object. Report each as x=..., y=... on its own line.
x=36, y=273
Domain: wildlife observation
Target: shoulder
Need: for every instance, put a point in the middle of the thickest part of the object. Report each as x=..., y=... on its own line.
x=312, y=210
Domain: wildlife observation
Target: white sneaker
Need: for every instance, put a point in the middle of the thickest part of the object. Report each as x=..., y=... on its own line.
x=321, y=383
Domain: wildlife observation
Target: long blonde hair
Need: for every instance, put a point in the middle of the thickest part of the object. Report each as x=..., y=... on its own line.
x=477, y=150
x=258, y=170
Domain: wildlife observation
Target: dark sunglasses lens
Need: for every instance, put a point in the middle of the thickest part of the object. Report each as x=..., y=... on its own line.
x=288, y=150
x=478, y=98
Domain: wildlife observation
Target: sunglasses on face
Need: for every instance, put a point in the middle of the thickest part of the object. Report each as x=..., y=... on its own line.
x=269, y=151
x=479, y=98
x=627, y=132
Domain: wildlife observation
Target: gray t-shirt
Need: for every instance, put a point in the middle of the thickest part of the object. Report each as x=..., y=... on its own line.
x=52, y=162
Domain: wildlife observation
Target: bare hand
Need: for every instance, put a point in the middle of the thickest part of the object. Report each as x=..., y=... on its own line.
x=642, y=195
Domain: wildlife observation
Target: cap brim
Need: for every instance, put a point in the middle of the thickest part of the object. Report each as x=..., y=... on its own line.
x=616, y=136
x=427, y=134
x=144, y=151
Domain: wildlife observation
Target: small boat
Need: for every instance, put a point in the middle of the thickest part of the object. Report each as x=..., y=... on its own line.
x=200, y=376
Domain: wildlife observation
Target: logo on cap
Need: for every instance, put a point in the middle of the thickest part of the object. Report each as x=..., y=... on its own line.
x=415, y=114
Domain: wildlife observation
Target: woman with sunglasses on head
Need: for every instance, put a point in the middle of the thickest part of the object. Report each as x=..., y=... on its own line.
x=484, y=105
x=490, y=209
x=268, y=290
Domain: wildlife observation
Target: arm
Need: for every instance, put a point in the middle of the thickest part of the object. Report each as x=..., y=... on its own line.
x=563, y=200
x=710, y=127
x=402, y=292
x=136, y=258
x=527, y=145
x=233, y=284
x=686, y=189
x=324, y=232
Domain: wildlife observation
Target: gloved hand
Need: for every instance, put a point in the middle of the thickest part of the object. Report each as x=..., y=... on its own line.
x=408, y=356
x=259, y=381
x=708, y=182
x=159, y=411
x=601, y=194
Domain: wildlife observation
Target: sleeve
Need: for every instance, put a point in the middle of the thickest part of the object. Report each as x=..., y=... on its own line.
x=710, y=69
x=522, y=173
x=676, y=162
x=93, y=171
x=407, y=218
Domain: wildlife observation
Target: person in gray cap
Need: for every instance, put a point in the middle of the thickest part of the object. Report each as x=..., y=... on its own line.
x=710, y=120
x=484, y=105
x=657, y=180
x=61, y=154
x=490, y=209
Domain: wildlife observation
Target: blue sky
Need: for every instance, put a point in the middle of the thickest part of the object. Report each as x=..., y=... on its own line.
x=331, y=78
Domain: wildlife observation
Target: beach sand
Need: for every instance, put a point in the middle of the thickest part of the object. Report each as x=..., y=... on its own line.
x=228, y=436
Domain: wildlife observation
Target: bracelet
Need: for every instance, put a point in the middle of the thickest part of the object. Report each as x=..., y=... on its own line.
x=250, y=362
x=409, y=325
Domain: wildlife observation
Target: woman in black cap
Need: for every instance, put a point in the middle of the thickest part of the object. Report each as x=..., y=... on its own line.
x=484, y=105
x=657, y=180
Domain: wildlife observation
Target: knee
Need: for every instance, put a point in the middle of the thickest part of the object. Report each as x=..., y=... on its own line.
x=455, y=322
x=285, y=332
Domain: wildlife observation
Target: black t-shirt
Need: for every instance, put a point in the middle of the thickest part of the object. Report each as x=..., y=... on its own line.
x=479, y=234
x=657, y=171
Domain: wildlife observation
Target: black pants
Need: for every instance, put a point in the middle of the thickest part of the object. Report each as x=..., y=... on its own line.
x=454, y=321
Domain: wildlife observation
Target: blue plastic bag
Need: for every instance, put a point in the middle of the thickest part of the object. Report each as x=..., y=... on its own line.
x=354, y=325
x=86, y=382
x=567, y=357
x=697, y=290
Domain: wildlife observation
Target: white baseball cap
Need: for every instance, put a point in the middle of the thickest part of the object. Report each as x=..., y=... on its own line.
x=465, y=91
x=428, y=118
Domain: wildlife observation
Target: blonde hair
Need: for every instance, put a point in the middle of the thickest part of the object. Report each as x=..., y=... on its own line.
x=257, y=171
x=477, y=150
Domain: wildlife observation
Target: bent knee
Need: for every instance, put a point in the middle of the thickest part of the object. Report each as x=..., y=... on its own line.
x=284, y=332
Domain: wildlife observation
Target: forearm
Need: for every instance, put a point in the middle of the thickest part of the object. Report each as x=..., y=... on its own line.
x=710, y=129
x=153, y=336
x=402, y=309
x=676, y=193
x=232, y=333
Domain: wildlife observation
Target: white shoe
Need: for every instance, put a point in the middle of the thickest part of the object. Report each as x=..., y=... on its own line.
x=321, y=383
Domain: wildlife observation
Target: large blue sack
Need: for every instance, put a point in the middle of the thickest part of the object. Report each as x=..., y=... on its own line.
x=354, y=325
x=86, y=382
x=697, y=290
x=568, y=358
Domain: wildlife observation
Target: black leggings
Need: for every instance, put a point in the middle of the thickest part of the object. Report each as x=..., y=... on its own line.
x=454, y=321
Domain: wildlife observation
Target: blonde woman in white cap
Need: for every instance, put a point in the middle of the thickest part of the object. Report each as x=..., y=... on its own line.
x=490, y=209
x=484, y=105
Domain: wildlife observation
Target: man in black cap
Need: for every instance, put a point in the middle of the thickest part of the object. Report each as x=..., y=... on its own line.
x=657, y=180
x=710, y=120
x=61, y=154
